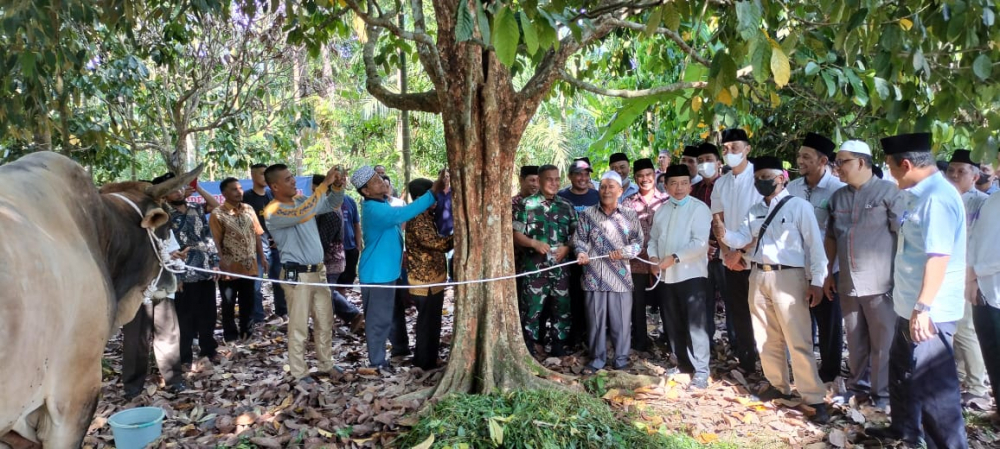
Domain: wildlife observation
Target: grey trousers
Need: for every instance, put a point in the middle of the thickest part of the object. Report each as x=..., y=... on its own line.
x=869, y=322
x=378, y=305
x=609, y=311
x=160, y=323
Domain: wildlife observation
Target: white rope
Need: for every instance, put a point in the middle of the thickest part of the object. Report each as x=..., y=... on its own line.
x=167, y=262
x=440, y=284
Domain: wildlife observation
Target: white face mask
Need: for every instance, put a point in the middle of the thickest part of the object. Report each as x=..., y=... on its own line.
x=734, y=160
x=706, y=169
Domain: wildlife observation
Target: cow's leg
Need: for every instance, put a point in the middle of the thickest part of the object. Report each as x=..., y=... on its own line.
x=69, y=410
x=14, y=440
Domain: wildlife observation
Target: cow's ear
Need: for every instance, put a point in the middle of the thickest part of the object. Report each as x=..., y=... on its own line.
x=155, y=218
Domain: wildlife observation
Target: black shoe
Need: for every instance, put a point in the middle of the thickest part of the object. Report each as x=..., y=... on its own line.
x=385, y=370
x=771, y=394
x=177, y=387
x=558, y=349
x=885, y=434
x=821, y=416
x=131, y=393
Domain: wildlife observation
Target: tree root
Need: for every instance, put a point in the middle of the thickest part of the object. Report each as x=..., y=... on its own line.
x=420, y=395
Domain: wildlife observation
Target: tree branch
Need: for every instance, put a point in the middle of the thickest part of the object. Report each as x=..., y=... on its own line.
x=428, y=53
x=385, y=21
x=630, y=93
x=666, y=32
x=421, y=101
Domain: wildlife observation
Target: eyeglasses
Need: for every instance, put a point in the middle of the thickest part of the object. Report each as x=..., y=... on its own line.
x=840, y=162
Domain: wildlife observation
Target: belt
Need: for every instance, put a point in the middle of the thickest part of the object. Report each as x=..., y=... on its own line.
x=768, y=267
x=302, y=268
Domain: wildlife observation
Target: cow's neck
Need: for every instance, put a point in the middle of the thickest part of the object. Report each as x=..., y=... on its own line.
x=128, y=253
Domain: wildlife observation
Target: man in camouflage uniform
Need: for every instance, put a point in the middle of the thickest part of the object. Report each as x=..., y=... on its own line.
x=544, y=225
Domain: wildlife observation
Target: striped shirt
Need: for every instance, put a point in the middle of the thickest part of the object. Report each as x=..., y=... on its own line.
x=644, y=210
x=598, y=234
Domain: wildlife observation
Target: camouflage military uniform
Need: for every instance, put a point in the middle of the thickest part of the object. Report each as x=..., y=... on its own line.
x=552, y=221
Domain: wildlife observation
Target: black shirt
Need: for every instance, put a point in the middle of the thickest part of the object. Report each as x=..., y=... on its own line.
x=258, y=202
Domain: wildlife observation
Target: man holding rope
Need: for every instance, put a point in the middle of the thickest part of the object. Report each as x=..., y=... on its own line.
x=291, y=221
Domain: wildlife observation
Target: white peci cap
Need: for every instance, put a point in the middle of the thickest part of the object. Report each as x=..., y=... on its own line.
x=856, y=146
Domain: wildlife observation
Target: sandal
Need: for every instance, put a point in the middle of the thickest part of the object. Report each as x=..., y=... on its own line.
x=589, y=370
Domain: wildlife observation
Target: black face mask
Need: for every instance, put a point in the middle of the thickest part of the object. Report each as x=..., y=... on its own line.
x=765, y=187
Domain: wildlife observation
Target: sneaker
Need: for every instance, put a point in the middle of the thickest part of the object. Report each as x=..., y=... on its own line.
x=842, y=398
x=699, y=382
x=673, y=371
x=975, y=401
x=385, y=370
x=177, y=387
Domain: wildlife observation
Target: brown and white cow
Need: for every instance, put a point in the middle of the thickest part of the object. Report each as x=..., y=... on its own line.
x=74, y=263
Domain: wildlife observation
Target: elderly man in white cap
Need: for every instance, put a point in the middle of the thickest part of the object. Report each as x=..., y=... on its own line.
x=861, y=235
x=382, y=256
x=611, y=229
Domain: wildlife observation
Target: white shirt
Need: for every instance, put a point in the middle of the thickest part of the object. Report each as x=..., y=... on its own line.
x=984, y=243
x=819, y=197
x=682, y=230
x=792, y=238
x=734, y=195
x=171, y=245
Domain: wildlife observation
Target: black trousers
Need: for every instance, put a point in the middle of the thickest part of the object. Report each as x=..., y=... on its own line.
x=238, y=291
x=350, y=273
x=640, y=297
x=685, y=303
x=829, y=321
x=716, y=289
x=923, y=388
x=577, y=307
x=196, y=316
x=986, y=320
x=738, y=312
x=428, y=329
x=156, y=324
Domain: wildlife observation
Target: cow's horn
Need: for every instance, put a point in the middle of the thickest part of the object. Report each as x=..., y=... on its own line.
x=160, y=190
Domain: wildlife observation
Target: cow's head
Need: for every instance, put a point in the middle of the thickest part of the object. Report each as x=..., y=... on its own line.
x=133, y=261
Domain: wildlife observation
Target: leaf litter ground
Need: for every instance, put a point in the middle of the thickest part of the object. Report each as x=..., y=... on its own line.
x=249, y=400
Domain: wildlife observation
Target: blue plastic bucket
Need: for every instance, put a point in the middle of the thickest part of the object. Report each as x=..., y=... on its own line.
x=136, y=427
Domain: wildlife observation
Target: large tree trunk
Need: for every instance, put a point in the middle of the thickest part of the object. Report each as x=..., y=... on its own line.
x=403, y=123
x=483, y=124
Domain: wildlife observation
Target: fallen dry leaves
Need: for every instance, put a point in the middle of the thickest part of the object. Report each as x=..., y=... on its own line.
x=248, y=400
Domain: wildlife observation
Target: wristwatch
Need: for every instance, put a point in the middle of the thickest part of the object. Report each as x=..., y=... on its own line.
x=921, y=307
x=676, y=259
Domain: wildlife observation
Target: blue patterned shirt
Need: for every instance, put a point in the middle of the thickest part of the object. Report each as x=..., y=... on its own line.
x=597, y=234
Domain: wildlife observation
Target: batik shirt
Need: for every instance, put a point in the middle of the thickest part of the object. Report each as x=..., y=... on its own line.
x=644, y=211
x=600, y=234
x=551, y=221
x=192, y=231
x=425, y=254
x=236, y=231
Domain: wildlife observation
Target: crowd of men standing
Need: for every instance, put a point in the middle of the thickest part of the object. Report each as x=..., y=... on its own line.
x=905, y=268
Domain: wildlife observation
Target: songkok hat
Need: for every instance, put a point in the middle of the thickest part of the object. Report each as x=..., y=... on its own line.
x=642, y=164
x=707, y=148
x=734, y=135
x=819, y=143
x=905, y=143
x=362, y=175
x=856, y=146
x=612, y=175
x=618, y=157
x=964, y=156
x=677, y=170
x=768, y=163
x=690, y=151
x=529, y=170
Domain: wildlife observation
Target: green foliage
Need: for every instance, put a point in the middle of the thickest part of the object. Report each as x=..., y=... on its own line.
x=533, y=419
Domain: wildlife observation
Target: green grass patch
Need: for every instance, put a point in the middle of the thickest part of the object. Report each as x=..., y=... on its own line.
x=536, y=419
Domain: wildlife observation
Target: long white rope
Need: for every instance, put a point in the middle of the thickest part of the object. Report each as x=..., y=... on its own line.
x=440, y=284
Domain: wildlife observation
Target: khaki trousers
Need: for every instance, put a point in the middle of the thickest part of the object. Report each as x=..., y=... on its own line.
x=781, y=322
x=971, y=367
x=303, y=299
